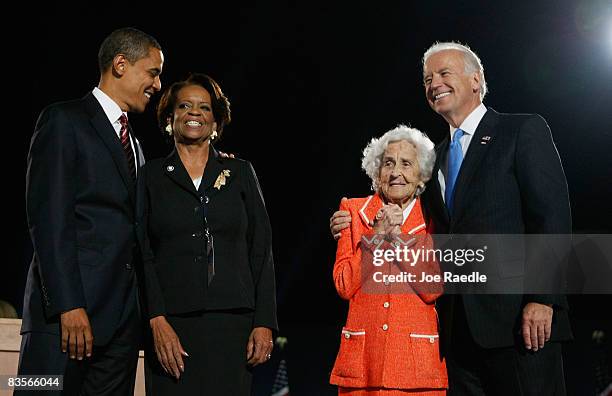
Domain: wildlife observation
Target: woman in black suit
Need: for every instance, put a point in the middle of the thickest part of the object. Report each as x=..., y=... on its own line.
x=210, y=286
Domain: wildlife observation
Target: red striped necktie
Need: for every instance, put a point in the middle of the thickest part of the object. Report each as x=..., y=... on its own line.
x=127, y=145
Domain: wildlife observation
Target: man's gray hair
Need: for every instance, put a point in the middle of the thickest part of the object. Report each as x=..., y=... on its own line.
x=470, y=59
x=374, y=151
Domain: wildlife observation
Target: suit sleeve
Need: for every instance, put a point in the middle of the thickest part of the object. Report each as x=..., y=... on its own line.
x=542, y=181
x=260, y=253
x=153, y=293
x=51, y=208
x=347, y=268
x=545, y=200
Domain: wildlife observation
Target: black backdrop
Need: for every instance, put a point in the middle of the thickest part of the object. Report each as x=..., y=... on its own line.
x=310, y=84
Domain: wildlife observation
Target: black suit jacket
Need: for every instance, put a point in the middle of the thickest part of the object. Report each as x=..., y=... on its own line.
x=512, y=184
x=84, y=214
x=177, y=282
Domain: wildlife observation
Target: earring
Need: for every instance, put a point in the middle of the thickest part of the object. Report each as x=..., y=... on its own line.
x=213, y=135
x=169, y=129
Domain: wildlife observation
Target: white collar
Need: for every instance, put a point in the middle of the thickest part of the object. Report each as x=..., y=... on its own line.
x=110, y=107
x=408, y=209
x=471, y=122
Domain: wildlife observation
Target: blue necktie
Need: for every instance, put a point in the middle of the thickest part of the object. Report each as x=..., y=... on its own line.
x=455, y=157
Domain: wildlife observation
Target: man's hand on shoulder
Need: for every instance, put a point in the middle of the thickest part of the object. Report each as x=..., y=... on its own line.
x=340, y=220
x=226, y=155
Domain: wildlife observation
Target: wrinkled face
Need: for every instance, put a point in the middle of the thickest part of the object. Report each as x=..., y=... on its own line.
x=193, y=119
x=399, y=172
x=140, y=80
x=449, y=90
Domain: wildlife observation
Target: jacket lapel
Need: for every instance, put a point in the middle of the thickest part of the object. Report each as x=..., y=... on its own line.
x=369, y=209
x=214, y=168
x=436, y=193
x=140, y=179
x=415, y=221
x=483, y=136
x=140, y=160
x=176, y=171
x=108, y=135
x=372, y=205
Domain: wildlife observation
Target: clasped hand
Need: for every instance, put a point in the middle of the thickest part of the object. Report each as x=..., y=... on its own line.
x=388, y=220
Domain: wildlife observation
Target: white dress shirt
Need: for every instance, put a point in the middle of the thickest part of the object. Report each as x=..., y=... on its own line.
x=468, y=126
x=113, y=113
x=196, y=182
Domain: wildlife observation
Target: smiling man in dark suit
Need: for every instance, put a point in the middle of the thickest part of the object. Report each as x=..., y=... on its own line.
x=495, y=173
x=84, y=205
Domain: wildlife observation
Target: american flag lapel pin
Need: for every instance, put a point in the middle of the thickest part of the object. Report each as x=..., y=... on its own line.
x=485, y=139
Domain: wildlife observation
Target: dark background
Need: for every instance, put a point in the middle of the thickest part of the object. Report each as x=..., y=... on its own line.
x=310, y=84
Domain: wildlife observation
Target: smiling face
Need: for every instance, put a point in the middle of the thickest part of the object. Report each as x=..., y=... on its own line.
x=450, y=91
x=399, y=173
x=193, y=119
x=139, y=81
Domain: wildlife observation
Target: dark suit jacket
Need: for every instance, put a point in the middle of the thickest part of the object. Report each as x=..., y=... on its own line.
x=513, y=184
x=237, y=218
x=84, y=214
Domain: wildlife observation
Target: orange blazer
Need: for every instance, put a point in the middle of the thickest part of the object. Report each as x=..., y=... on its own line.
x=390, y=340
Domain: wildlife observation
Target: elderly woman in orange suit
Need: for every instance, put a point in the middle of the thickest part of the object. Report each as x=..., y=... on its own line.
x=389, y=345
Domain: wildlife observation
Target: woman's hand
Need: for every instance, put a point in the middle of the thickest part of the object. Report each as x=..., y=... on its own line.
x=259, y=347
x=167, y=346
x=388, y=220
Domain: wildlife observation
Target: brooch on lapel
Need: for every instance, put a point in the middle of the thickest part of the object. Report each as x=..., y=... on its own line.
x=485, y=139
x=221, y=179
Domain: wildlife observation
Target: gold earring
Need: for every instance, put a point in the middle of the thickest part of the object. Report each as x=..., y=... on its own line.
x=169, y=129
x=213, y=135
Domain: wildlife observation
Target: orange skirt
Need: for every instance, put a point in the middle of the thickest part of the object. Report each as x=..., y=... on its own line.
x=389, y=392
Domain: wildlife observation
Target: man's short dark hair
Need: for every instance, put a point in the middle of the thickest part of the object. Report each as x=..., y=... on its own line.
x=132, y=43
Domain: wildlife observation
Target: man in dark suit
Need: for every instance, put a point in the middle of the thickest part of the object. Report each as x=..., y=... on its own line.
x=494, y=174
x=84, y=204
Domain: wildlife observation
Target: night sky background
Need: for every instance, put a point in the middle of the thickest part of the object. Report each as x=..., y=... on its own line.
x=311, y=83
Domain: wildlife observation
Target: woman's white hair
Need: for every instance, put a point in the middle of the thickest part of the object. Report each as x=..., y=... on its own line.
x=470, y=59
x=373, y=153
